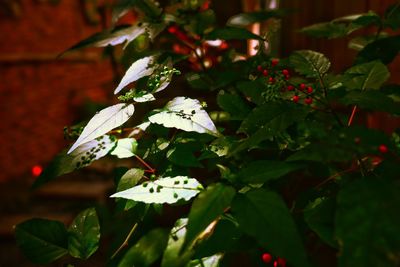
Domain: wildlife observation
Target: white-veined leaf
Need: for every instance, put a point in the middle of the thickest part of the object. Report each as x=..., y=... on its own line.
x=103, y=122
x=81, y=157
x=125, y=148
x=211, y=261
x=144, y=98
x=164, y=190
x=139, y=69
x=186, y=114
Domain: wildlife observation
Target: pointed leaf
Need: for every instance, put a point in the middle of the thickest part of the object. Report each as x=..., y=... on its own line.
x=84, y=234
x=130, y=179
x=139, y=69
x=164, y=190
x=231, y=33
x=367, y=223
x=320, y=217
x=147, y=250
x=234, y=104
x=310, y=63
x=263, y=215
x=112, y=37
x=81, y=157
x=42, y=241
x=373, y=100
x=103, y=122
x=245, y=19
x=148, y=7
x=186, y=114
x=266, y=170
x=126, y=148
x=207, y=207
x=367, y=76
x=172, y=256
x=211, y=261
x=385, y=50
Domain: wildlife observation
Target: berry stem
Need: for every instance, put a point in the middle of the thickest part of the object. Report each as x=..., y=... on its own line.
x=125, y=243
x=144, y=163
x=353, y=113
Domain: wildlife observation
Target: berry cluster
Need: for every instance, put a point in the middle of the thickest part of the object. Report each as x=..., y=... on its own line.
x=277, y=81
x=268, y=259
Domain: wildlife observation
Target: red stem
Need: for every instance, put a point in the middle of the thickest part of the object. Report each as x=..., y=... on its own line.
x=353, y=113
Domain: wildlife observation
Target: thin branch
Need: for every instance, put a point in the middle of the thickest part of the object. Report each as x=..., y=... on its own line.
x=125, y=243
x=144, y=163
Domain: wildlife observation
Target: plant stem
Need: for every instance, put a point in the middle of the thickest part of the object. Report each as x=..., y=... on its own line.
x=125, y=243
x=144, y=163
x=353, y=113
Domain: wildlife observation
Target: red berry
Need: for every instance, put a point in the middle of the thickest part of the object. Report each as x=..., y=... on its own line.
x=36, y=170
x=287, y=77
x=265, y=73
x=290, y=88
x=357, y=140
x=383, y=149
x=223, y=46
x=308, y=101
x=274, y=62
x=275, y=263
x=302, y=87
x=173, y=29
x=266, y=257
x=295, y=98
x=271, y=80
x=259, y=68
x=205, y=6
x=285, y=72
x=309, y=90
x=281, y=262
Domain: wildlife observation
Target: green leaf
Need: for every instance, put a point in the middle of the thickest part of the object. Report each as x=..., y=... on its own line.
x=182, y=156
x=42, y=241
x=272, y=117
x=172, y=256
x=164, y=190
x=130, y=179
x=148, y=7
x=207, y=207
x=139, y=69
x=366, y=76
x=147, y=250
x=103, y=122
x=321, y=152
x=263, y=215
x=81, y=157
x=186, y=114
x=373, y=100
x=326, y=30
x=310, y=63
x=84, y=234
x=342, y=26
x=367, y=223
x=245, y=19
x=126, y=148
x=385, y=50
x=320, y=217
x=211, y=261
x=231, y=33
x=266, y=170
x=392, y=17
x=234, y=104
x=252, y=90
x=112, y=37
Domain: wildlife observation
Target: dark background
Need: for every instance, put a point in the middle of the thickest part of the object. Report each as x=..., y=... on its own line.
x=40, y=94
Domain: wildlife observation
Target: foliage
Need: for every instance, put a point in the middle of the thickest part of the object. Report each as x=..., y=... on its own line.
x=261, y=155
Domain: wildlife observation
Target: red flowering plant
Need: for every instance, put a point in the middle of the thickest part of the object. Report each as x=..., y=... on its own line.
x=259, y=156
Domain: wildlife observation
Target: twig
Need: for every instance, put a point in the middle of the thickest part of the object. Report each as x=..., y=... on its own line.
x=125, y=243
x=144, y=163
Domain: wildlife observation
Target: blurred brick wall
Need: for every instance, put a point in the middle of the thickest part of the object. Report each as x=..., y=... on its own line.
x=39, y=94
